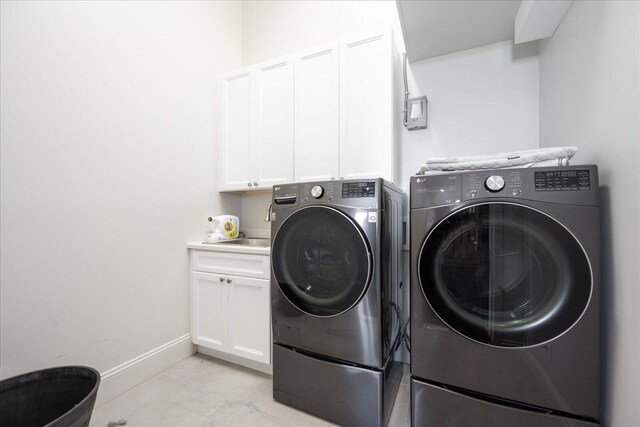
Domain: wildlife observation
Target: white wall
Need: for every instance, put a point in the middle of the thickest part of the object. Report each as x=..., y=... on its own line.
x=275, y=28
x=480, y=101
x=108, y=114
x=590, y=97
x=254, y=210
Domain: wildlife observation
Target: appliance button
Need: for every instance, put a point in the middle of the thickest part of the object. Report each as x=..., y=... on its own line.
x=317, y=191
x=494, y=183
x=516, y=192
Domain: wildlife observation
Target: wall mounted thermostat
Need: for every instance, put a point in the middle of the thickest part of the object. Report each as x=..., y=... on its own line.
x=417, y=113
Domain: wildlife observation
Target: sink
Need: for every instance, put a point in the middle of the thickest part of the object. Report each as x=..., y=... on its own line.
x=262, y=243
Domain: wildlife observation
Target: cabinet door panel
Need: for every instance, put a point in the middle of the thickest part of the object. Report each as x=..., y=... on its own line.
x=249, y=319
x=317, y=114
x=235, y=137
x=366, y=107
x=274, y=123
x=209, y=318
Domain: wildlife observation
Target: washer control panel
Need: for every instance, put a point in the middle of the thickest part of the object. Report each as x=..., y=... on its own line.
x=353, y=193
x=318, y=191
x=358, y=189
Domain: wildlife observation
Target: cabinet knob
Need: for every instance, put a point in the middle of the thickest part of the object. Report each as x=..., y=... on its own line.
x=255, y=184
x=228, y=280
x=249, y=184
x=222, y=279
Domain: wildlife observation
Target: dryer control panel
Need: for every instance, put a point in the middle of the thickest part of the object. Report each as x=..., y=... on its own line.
x=571, y=180
x=485, y=184
x=561, y=184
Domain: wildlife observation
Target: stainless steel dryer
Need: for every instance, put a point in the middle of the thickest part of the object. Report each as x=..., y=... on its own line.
x=336, y=298
x=505, y=298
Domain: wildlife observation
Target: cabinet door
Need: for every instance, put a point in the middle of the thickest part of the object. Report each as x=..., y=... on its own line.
x=366, y=107
x=273, y=136
x=250, y=319
x=209, y=318
x=317, y=114
x=234, y=134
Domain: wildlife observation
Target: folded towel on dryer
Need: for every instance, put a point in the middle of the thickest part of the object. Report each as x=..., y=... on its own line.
x=552, y=156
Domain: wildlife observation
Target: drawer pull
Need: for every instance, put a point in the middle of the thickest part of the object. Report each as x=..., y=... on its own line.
x=228, y=280
x=284, y=200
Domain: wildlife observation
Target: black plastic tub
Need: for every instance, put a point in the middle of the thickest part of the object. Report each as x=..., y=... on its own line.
x=57, y=397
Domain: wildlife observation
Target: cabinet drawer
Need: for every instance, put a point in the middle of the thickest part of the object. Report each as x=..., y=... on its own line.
x=231, y=263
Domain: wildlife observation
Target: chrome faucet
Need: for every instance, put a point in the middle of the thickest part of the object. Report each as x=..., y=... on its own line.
x=268, y=217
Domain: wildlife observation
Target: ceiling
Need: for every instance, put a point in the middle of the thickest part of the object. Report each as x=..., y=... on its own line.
x=438, y=27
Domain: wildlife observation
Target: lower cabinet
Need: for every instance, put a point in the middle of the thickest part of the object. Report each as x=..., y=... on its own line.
x=231, y=314
x=209, y=316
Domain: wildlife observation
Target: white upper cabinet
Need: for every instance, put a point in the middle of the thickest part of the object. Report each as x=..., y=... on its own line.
x=325, y=113
x=317, y=114
x=367, y=130
x=273, y=159
x=256, y=126
x=236, y=107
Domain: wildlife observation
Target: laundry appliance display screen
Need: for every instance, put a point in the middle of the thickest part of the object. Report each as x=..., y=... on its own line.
x=563, y=180
x=359, y=189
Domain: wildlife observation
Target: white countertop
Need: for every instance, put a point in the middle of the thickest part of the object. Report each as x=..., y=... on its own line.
x=226, y=247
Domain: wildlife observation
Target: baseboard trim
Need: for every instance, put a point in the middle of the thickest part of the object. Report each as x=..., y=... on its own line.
x=117, y=380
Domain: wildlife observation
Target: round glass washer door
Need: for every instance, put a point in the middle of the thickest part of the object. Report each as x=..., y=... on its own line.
x=504, y=275
x=321, y=261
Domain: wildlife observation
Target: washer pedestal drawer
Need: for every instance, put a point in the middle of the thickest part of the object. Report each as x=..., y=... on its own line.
x=436, y=406
x=342, y=393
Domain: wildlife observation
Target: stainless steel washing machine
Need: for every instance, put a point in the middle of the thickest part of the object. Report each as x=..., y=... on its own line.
x=505, y=298
x=336, y=298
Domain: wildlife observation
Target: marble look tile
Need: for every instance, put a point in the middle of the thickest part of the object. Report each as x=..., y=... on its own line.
x=210, y=374
x=204, y=391
x=242, y=413
x=159, y=401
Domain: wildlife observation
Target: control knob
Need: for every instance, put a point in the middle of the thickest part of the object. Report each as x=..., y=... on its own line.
x=494, y=183
x=317, y=191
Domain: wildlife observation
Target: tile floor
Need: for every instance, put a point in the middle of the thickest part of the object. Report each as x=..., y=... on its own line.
x=204, y=391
